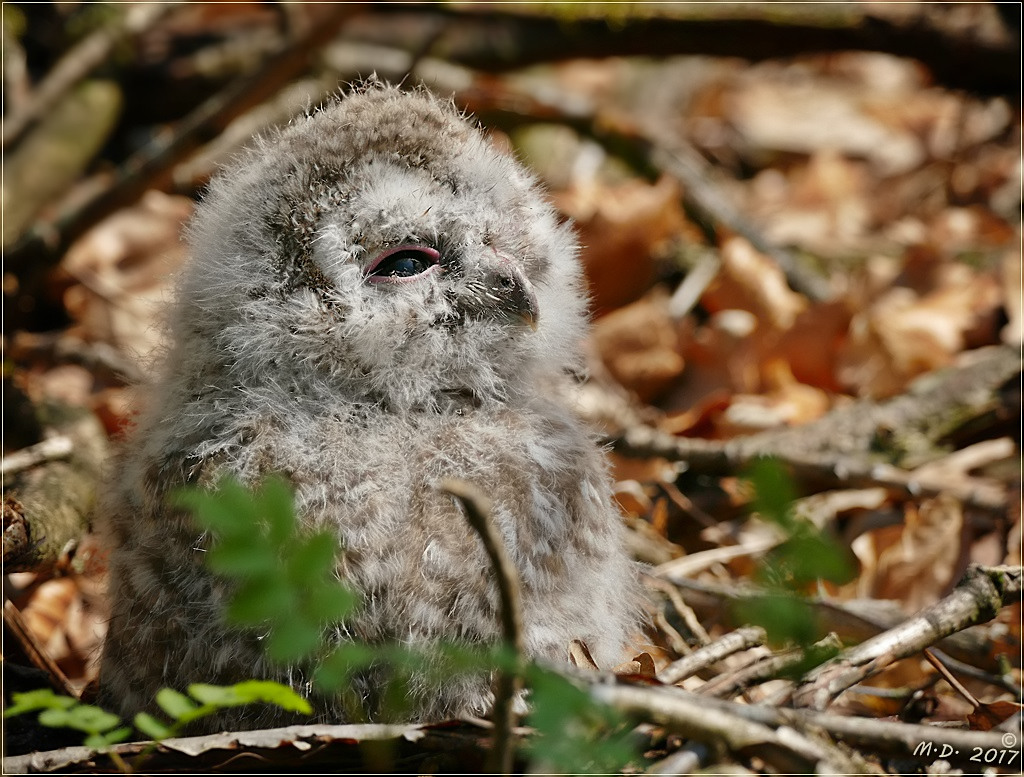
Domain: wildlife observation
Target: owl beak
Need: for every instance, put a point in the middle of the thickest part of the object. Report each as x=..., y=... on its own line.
x=513, y=293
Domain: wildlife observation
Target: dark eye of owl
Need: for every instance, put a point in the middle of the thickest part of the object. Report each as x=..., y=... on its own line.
x=404, y=263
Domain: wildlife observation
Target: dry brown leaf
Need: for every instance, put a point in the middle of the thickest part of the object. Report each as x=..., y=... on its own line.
x=749, y=280
x=123, y=266
x=68, y=384
x=902, y=335
x=803, y=116
x=642, y=665
x=1011, y=283
x=579, y=655
x=987, y=716
x=622, y=227
x=919, y=570
x=810, y=346
x=47, y=610
x=786, y=402
x=640, y=345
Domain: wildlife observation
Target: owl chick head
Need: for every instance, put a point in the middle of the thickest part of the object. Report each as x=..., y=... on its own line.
x=381, y=249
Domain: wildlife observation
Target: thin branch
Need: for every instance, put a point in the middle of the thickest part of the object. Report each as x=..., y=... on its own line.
x=650, y=154
x=742, y=727
x=50, y=449
x=702, y=658
x=837, y=448
x=87, y=55
x=854, y=621
x=977, y=599
x=47, y=241
x=788, y=751
x=478, y=513
x=34, y=650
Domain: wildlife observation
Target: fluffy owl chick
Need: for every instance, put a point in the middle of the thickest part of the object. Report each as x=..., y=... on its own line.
x=377, y=300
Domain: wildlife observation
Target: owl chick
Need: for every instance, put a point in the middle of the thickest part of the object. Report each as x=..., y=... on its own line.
x=378, y=300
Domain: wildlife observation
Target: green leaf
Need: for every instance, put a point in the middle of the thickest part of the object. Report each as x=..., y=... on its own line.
x=85, y=717
x=249, y=692
x=786, y=618
x=330, y=604
x=43, y=698
x=293, y=639
x=249, y=556
x=175, y=704
x=103, y=741
x=273, y=693
x=55, y=718
x=277, y=503
x=334, y=672
x=812, y=556
x=575, y=734
x=261, y=600
x=151, y=727
x=228, y=510
x=773, y=491
x=215, y=695
x=313, y=559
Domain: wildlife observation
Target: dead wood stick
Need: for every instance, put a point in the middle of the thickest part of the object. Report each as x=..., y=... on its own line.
x=702, y=658
x=34, y=650
x=47, y=241
x=478, y=514
x=977, y=599
x=495, y=38
x=84, y=57
x=697, y=716
x=55, y=499
x=854, y=621
x=52, y=448
x=684, y=713
x=650, y=155
x=837, y=448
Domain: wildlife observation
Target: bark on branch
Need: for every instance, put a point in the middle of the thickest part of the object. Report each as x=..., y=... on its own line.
x=978, y=597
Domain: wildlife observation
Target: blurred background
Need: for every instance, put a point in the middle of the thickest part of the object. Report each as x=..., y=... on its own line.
x=786, y=209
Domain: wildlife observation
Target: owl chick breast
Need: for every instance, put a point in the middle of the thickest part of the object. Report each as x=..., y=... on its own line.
x=378, y=300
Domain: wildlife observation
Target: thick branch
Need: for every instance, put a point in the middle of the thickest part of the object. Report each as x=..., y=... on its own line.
x=840, y=448
x=499, y=40
x=55, y=499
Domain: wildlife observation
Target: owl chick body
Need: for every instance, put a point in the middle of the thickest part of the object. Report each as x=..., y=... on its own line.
x=378, y=300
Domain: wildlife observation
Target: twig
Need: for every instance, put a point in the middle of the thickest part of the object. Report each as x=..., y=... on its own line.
x=88, y=54
x=837, y=448
x=947, y=675
x=978, y=597
x=50, y=449
x=776, y=665
x=57, y=497
x=46, y=242
x=688, y=293
x=1003, y=682
x=34, y=650
x=855, y=621
x=733, y=642
x=477, y=508
x=745, y=726
x=689, y=715
x=650, y=155
x=682, y=608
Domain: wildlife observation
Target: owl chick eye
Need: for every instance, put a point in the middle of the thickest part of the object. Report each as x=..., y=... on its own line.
x=401, y=264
